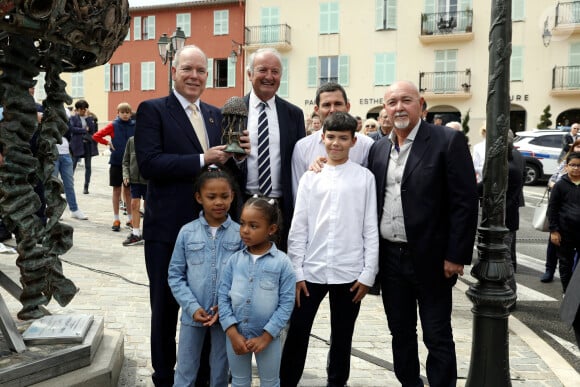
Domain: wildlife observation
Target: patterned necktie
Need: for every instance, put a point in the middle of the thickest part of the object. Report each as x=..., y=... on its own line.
x=264, y=178
x=198, y=127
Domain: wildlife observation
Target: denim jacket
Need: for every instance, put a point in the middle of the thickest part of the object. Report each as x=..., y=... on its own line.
x=197, y=263
x=257, y=296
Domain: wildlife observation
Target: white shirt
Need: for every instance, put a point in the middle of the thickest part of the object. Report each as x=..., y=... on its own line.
x=309, y=148
x=392, y=221
x=252, y=184
x=185, y=104
x=63, y=148
x=334, y=236
x=479, y=159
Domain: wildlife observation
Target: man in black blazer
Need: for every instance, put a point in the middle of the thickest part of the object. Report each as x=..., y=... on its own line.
x=569, y=138
x=286, y=127
x=427, y=203
x=170, y=154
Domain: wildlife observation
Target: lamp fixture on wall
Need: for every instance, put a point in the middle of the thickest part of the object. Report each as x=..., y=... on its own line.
x=546, y=35
x=236, y=51
x=169, y=46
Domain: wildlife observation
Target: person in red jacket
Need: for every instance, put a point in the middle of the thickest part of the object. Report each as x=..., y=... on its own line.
x=119, y=131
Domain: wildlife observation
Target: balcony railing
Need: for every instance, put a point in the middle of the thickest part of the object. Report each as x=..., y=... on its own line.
x=566, y=78
x=275, y=34
x=445, y=82
x=567, y=13
x=440, y=23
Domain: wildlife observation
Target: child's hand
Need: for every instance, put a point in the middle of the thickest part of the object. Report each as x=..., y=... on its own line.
x=301, y=288
x=555, y=238
x=361, y=291
x=213, y=312
x=258, y=344
x=126, y=181
x=202, y=316
x=111, y=146
x=238, y=341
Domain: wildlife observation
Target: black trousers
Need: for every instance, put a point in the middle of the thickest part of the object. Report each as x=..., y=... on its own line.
x=343, y=314
x=569, y=247
x=402, y=292
x=164, y=311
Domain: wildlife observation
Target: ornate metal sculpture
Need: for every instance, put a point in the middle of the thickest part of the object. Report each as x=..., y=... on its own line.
x=51, y=36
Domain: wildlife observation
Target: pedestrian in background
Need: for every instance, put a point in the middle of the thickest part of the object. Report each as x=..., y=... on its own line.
x=119, y=131
x=82, y=127
x=138, y=186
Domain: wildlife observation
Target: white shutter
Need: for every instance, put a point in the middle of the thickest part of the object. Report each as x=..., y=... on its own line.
x=209, y=82
x=126, y=76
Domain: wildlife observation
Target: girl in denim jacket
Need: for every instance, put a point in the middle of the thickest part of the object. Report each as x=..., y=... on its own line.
x=256, y=296
x=202, y=248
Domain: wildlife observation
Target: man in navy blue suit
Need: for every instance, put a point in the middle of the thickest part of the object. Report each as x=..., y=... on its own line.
x=427, y=206
x=286, y=127
x=170, y=152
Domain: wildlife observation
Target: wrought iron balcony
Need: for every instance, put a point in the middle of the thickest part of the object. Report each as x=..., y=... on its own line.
x=567, y=13
x=444, y=23
x=275, y=35
x=456, y=83
x=566, y=78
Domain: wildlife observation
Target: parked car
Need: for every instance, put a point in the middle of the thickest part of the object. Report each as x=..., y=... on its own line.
x=541, y=149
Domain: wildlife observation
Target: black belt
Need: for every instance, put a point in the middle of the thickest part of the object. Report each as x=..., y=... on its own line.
x=398, y=245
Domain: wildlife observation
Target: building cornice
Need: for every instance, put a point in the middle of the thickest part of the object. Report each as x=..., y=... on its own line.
x=184, y=4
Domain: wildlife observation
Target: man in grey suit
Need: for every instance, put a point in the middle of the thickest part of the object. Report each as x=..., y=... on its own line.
x=385, y=126
x=427, y=208
x=285, y=123
x=171, y=148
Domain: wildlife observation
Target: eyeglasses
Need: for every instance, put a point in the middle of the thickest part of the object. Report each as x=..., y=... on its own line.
x=574, y=166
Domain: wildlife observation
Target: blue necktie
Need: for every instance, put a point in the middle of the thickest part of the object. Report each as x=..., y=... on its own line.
x=264, y=178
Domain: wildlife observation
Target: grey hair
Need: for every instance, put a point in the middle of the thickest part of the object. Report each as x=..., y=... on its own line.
x=270, y=50
x=175, y=62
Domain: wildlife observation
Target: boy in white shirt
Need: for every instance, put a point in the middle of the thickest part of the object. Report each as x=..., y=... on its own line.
x=333, y=244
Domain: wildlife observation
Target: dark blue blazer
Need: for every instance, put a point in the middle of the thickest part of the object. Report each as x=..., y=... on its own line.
x=439, y=197
x=291, y=121
x=168, y=153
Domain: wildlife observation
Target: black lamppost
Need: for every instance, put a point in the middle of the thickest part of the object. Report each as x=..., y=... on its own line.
x=491, y=296
x=168, y=47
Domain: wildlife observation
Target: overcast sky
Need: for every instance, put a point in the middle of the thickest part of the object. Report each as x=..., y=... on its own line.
x=140, y=3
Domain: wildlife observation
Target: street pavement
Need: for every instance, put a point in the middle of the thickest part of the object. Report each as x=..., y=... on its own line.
x=113, y=284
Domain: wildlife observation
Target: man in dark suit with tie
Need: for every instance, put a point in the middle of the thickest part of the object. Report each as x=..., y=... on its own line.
x=170, y=152
x=281, y=124
x=427, y=203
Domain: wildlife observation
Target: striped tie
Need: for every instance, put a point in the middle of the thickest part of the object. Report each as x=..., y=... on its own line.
x=264, y=178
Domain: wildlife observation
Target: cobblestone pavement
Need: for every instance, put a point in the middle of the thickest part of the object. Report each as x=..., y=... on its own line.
x=113, y=284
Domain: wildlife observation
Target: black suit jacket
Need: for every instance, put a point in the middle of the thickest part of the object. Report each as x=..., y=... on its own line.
x=439, y=198
x=291, y=122
x=168, y=153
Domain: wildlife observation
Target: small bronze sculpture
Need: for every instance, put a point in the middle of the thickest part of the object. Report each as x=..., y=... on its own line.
x=234, y=122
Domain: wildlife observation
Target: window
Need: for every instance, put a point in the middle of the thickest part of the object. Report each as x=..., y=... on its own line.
x=517, y=64
x=449, y=9
x=148, y=28
x=518, y=10
x=183, y=20
x=137, y=28
x=77, y=85
x=445, y=71
x=269, y=24
x=386, y=16
x=385, y=68
x=117, y=77
x=221, y=22
x=221, y=73
x=147, y=75
x=329, y=18
x=328, y=69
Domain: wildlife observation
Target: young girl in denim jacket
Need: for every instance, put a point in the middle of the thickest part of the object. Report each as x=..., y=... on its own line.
x=202, y=248
x=256, y=296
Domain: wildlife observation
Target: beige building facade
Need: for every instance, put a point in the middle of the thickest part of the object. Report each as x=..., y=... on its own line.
x=440, y=45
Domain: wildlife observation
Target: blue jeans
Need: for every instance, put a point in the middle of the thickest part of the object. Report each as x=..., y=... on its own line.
x=268, y=365
x=189, y=355
x=64, y=166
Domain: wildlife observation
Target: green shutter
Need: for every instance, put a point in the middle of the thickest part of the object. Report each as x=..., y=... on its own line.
x=334, y=17
x=324, y=19
x=126, y=76
x=379, y=69
x=392, y=14
x=343, y=70
x=380, y=23
x=144, y=74
x=312, y=71
x=518, y=10
x=283, y=89
x=107, y=68
x=430, y=6
x=390, y=68
x=137, y=28
x=231, y=73
x=209, y=82
x=516, y=63
x=151, y=27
